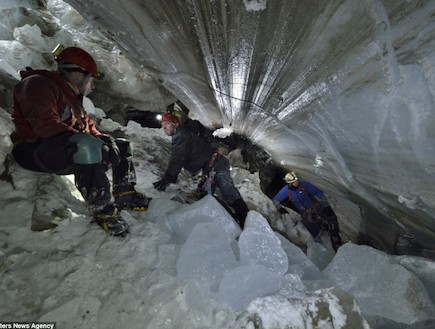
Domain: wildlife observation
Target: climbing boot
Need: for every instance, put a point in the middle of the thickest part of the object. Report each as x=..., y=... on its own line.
x=132, y=200
x=110, y=221
x=336, y=241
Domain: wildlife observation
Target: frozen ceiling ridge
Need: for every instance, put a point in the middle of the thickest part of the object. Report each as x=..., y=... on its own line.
x=340, y=91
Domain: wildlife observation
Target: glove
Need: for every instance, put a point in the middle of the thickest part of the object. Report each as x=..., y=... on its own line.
x=111, y=153
x=282, y=211
x=161, y=185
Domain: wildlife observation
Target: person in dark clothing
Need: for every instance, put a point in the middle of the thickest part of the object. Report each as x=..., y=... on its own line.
x=54, y=134
x=311, y=203
x=194, y=153
x=180, y=110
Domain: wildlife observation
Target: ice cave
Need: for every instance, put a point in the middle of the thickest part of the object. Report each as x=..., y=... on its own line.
x=340, y=91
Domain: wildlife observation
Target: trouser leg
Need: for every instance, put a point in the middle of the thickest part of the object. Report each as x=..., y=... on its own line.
x=334, y=230
x=124, y=180
x=309, y=219
x=124, y=173
x=229, y=192
x=241, y=210
x=55, y=155
x=93, y=184
x=52, y=155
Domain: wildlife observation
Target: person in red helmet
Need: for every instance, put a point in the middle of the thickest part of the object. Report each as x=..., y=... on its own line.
x=54, y=134
x=77, y=58
x=191, y=151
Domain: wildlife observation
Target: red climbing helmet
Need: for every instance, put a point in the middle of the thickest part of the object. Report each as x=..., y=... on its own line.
x=77, y=57
x=168, y=117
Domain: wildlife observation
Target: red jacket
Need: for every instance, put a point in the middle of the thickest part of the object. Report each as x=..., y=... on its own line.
x=45, y=106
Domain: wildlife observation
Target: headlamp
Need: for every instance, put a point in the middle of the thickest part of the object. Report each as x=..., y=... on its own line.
x=57, y=50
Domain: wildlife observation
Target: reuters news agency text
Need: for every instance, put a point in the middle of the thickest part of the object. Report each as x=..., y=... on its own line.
x=27, y=325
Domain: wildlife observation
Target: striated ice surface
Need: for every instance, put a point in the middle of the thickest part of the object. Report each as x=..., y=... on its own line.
x=340, y=91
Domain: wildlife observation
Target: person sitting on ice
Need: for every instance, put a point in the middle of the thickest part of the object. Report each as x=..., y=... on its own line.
x=54, y=134
x=193, y=152
x=311, y=203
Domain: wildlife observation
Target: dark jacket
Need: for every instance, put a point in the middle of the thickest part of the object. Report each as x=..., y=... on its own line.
x=189, y=151
x=45, y=106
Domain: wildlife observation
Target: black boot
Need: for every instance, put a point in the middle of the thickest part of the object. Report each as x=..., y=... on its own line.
x=334, y=234
x=110, y=221
x=126, y=197
x=336, y=241
x=241, y=210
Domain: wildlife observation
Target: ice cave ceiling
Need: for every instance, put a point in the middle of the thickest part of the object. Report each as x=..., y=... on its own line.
x=340, y=91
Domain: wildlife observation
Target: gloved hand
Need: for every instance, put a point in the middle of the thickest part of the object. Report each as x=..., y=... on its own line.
x=111, y=153
x=161, y=185
x=282, y=211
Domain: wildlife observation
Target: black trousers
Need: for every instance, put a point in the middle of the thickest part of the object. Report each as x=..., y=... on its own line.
x=313, y=220
x=229, y=192
x=55, y=155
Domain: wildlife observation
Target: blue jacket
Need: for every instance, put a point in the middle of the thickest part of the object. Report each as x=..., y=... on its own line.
x=300, y=196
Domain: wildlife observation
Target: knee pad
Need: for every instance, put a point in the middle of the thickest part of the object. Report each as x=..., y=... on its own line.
x=89, y=149
x=124, y=146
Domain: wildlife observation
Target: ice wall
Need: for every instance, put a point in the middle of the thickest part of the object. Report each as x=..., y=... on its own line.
x=339, y=91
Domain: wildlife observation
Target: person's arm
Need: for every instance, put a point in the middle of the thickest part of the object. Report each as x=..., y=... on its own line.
x=317, y=194
x=92, y=127
x=313, y=190
x=37, y=98
x=179, y=153
x=279, y=197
